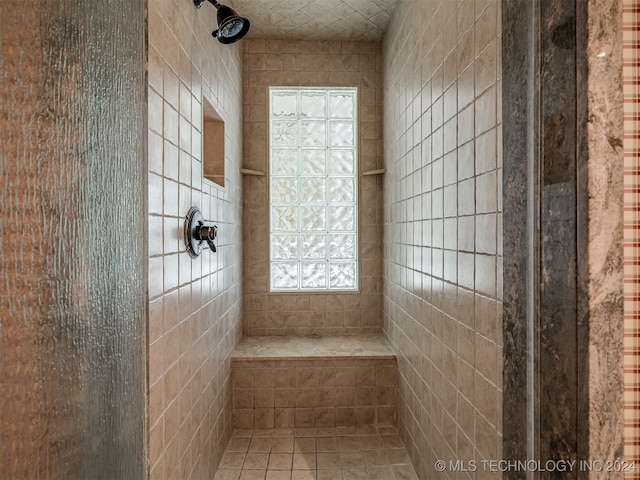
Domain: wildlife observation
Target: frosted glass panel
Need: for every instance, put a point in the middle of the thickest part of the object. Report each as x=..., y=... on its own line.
x=313, y=189
x=284, y=247
x=342, y=218
x=284, y=162
x=284, y=218
x=284, y=105
x=341, y=105
x=314, y=246
x=341, y=134
x=284, y=134
x=314, y=275
x=284, y=275
x=343, y=275
x=284, y=190
x=341, y=189
x=341, y=162
x=342, y=246
x=313, y=105
x=313, y=134
x=313, y=161
x=313, y=218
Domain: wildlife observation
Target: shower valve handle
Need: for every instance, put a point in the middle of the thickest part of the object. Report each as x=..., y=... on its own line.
x=207, y=234
x=196, y=233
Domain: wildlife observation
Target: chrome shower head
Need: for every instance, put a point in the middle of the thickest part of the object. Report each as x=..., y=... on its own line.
x=231, y=26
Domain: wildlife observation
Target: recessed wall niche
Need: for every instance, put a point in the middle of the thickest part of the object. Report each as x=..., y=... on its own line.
x=213, y=144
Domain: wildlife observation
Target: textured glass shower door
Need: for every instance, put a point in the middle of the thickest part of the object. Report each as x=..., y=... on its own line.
x=73, y=249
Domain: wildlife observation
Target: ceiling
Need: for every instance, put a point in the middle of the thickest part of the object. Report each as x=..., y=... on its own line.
x=356, y=20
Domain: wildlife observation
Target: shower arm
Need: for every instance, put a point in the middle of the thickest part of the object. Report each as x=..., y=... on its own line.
x=199, y=3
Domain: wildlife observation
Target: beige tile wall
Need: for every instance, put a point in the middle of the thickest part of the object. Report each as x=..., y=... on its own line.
x=311, y=63
x=306, y=393
x=194, y=305
x=442, y=250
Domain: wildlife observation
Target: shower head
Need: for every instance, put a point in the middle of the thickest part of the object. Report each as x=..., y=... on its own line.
x=231, y=26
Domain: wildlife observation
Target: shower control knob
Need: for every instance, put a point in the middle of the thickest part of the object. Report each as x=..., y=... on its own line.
x=196, y=233
x=208, y=234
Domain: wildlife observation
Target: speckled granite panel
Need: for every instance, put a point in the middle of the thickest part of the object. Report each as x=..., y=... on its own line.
x=560, y=409
x=516, y=93
x=605, y=263
x=578, y=359
x=542, y=220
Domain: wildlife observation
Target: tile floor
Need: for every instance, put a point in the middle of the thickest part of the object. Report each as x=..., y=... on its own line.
x=343, y=453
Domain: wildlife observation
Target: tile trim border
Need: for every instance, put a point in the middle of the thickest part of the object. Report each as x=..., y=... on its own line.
x=631, y=145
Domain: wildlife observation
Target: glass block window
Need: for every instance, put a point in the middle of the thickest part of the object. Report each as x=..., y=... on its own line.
x=313, y=189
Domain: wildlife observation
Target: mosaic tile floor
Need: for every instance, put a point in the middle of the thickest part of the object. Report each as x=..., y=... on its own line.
x=343, y=453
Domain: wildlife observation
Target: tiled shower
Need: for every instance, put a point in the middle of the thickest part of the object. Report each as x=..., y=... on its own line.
x=430, y=251
x=431, y=295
